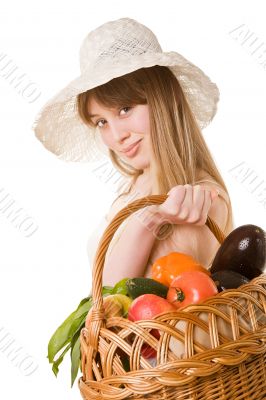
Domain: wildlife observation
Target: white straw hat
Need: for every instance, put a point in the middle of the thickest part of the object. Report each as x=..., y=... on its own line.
x=114, y=49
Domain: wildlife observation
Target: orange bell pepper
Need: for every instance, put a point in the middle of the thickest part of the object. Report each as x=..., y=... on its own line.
x=165, y=269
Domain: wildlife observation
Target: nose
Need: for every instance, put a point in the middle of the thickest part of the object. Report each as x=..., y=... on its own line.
x=119, y=130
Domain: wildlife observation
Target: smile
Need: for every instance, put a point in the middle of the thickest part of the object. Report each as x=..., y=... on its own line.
x=133, y=151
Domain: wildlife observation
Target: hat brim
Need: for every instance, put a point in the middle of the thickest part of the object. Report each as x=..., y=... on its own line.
x=60, y=129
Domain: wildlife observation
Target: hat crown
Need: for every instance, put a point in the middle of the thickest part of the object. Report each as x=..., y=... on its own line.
x=109, y=42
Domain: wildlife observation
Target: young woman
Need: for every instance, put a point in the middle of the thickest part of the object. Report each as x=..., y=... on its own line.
x=147, y=108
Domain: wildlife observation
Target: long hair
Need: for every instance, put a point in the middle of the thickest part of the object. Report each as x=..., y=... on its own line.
x=180, y=154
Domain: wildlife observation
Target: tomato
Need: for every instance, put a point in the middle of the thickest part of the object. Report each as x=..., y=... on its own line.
x=148, y=306
x=148, y=351
x=191, y=287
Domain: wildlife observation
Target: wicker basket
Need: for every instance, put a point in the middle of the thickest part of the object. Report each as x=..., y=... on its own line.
x=230, y=366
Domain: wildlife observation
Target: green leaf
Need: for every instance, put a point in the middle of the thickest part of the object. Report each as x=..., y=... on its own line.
x=83, y=301
x=120, y=287
x=85, y=307
x=57, y=362
x=81, y=325
x=68, y=333
x=66, y=330
x=60, y=338
x=75, y=356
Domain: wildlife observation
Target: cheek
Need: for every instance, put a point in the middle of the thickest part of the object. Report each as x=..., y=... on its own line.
x=142, y=123
x=107, y=140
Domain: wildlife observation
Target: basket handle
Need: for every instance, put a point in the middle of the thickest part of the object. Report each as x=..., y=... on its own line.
x=97, y=273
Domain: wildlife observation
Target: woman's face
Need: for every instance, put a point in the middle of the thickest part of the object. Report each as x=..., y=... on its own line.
x=123, y=127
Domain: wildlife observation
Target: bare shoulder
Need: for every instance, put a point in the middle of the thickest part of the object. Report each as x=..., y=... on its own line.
x=219, y=210
x=207, y=181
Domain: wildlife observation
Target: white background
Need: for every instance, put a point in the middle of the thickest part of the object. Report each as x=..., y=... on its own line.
x=44, y=276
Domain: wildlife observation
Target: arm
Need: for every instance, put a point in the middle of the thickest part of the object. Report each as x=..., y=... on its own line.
x=199, y=241
x=207, y=244
x=130, y=254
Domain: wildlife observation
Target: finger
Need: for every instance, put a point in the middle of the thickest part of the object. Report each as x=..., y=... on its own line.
x=186, y=206
x=205, y=208
x=214, y=194
x=198, y=197
x=174, y=200
x=197, y=204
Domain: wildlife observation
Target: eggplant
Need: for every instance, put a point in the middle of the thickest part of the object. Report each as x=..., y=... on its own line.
x=243, y=251
x=227, y=279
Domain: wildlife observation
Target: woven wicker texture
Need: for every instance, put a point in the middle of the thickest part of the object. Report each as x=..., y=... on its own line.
x=213, y=350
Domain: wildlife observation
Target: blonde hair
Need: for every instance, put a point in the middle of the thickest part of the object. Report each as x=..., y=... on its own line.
x=180, y=153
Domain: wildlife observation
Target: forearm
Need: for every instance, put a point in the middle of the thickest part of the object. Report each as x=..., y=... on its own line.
x=130, y=254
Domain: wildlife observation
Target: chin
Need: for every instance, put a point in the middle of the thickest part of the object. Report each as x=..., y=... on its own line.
x=138, y=164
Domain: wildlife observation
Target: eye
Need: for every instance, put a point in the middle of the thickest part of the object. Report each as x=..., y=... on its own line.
x=125, y=108
x=101, y=120
x=97, y=123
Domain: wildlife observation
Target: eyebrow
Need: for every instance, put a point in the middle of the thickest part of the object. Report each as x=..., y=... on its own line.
x=96, y=115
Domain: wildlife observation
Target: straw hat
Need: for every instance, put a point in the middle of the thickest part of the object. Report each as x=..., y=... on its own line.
x=114, y=49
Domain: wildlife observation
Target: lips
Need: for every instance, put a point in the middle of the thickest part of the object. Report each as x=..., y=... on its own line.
x=130, y=147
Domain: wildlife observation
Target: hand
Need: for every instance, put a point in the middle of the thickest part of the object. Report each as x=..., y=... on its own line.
x=187, y=204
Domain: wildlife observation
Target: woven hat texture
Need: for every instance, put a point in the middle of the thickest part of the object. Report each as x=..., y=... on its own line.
x=111, y=50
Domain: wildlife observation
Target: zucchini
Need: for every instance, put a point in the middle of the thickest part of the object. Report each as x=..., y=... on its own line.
x=138, y=286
